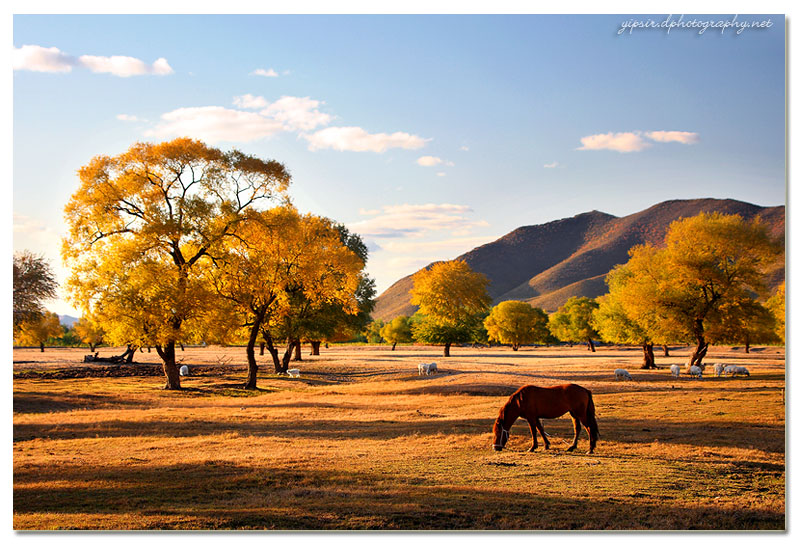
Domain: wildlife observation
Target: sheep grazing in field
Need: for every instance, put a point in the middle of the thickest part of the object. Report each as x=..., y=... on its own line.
x=729, y=369
x=184, y=370
x=676, y=370
x=718, y=368
x=695, y=371
x=740, y=371
x=432, y=368
x=622, y=374
x=424, y=368
x=293, y=372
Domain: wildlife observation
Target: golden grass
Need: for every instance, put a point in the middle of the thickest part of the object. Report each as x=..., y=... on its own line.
x=360, y=441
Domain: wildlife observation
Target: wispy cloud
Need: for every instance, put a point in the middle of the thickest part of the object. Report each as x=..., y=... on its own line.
x=674, y=136
x=553, y=164
x=358, y=139
x=126, y=117
x=416, y=220
x=429, y=160
x=628, y=142
x=214, y=124
x=36, y=58
x=264, y=73
x=297, y=113
x=250, y=102
x=623, y=142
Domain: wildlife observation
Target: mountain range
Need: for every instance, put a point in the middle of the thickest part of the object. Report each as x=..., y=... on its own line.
x=546, y=264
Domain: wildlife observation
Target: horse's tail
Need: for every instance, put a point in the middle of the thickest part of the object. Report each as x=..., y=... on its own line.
x=594, y=431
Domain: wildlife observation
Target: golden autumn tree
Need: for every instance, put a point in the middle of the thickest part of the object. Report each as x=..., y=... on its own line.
x=515, y=322
x=143, y=228
x=572, y=322
x=702, y=285
x=452, y=299
x=36, y=331
x=397, y=330
x=282, y=267
x=777, y=306
x=89, y=331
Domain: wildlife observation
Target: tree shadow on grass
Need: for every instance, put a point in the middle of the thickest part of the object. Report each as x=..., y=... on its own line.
x=219, y=495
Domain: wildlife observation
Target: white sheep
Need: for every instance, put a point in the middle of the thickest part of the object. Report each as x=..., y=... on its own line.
x=622, y=374
x=695, y=371
x=718, y=368
x=729, y=369
x=676, y=370
x=293, y=372
x=424, y=368
x=432, y=368
x=184, y=370
x=741, y=371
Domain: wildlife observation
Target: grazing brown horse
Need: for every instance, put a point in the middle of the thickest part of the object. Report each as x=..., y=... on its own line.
x=532, y=403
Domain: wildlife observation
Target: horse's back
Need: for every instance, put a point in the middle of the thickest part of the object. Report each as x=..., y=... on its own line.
x=555, y=401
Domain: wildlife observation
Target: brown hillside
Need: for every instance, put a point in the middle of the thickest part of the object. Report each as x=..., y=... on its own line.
x=546, y=264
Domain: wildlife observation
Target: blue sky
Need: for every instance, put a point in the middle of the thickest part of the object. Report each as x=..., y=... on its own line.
x=428, y=135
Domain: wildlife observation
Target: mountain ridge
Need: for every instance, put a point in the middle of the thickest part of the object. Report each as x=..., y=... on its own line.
x=546, y=264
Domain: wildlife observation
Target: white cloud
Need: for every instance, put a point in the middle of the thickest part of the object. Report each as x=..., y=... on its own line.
x=674, y=136
x=125, y=66
x=441, y=174
x=214, y=124
x=50, y=59
x=358, y=139
x=428, y=160
x=248, y=101
x=458, y=244
x=623, y=142
x=126, y=117
x=362, y=211
x=297, y=113
x=464, y=148
x=41, y=59
x=553, y=164
x=416, y=220
x=264, y=73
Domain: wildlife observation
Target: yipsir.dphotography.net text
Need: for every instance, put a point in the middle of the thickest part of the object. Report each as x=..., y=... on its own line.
x=700, y=25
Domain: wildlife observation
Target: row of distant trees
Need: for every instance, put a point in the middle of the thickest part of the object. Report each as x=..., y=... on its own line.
x=707, y=284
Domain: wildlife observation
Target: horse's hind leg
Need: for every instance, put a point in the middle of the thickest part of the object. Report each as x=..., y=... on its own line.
x=533, y=434
x=544, y=435
x=577, y=425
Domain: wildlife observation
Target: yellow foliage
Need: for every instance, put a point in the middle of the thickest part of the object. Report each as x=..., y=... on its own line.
x=36, y=332
x=450, y=293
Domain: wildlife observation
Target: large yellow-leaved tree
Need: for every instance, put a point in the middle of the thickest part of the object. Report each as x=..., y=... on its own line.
x=36, y=331
x=515, y=322
x=452, y=300
x=144, y=227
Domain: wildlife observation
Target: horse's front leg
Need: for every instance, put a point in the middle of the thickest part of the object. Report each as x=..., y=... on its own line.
x=532, y=425
x=577, y=424
x=544, y=435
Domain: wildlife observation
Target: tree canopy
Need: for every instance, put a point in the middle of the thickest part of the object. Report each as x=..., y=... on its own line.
x=34, y=283
x=144, y=224
x=452, y=298
x=572, y=322
x=36, y=331
x=397, y=330
x=515, y=322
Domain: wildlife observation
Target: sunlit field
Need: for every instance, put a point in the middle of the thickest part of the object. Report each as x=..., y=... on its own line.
x=361, y=441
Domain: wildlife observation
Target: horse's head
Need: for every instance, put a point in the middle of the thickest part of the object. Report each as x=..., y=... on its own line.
x=500, y=435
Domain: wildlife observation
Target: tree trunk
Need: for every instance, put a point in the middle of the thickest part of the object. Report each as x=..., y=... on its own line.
x=515, y=347
x=702, y=347
x=287, y=355
x=272, y=351
x=261, y=349
x=92, y=347
x=747, y=345
x=181, y=344
x=315, y=347
x=394, y=345
x=591, y=345
x=128, y=355
x=149, y=350
x=167, y=354
x=649, y=356
x=447, y=349
x=41, y=346
x=666, y=350
x=252, y=366
x=297, y=355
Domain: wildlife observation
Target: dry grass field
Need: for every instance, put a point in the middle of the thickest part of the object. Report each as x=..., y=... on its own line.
x=360, y=441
